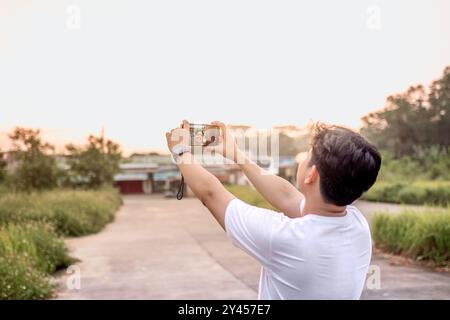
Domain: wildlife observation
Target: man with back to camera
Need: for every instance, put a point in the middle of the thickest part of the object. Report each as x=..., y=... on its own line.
x=318, y=246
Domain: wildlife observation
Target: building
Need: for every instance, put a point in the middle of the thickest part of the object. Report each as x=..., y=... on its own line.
x=287, y=168
x=156, y=173
x=136, y=178
x=147, y=174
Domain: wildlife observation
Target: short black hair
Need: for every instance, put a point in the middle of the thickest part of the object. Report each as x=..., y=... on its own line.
x=347, y=163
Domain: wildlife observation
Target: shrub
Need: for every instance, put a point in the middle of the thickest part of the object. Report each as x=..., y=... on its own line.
x=19, y=279
x=412, y=194
x=3, y=189
x=249, y=195
x=28, y=253
x=418, y=234
x=70, y=212
x=420, y=178
x=38, y=242
x=31, y=227
x=420, y=192
x=384, y=191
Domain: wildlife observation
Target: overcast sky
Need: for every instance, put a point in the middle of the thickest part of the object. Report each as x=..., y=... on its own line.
x=139, y=67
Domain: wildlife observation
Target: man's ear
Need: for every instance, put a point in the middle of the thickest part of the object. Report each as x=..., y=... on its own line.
x=312, y=175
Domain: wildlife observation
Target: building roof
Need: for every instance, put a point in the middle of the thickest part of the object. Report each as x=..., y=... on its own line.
x=130, y=177
x=151, y=158
x=133, y=165
x=166, y=175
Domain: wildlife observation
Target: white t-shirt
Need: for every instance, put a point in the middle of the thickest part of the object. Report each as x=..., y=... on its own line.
x=312, y=257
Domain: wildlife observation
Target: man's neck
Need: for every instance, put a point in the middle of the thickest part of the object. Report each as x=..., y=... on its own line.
x=319, y=207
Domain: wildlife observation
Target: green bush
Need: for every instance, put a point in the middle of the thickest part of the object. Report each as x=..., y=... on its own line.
x=20, y=280
x=249, y=195
x=420, y=178
x=419, y=192
x=38, y=242
x=3, y=189
x=431, y=163
x=31, y=230
x=399, y=169
x=28, y=253
x=418, y=234
x=70, y=212
x=384, y=191
x=412, y=194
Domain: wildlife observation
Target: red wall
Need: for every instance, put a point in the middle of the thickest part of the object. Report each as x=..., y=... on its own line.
x=130, y=186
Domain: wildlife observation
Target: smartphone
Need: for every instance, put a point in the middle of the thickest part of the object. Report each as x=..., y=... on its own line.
x=204, y=134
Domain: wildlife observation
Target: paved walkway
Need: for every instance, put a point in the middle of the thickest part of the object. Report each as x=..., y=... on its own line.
x=169, y=249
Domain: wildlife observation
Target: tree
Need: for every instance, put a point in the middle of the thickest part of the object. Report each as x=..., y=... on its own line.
x=36, y=169
x=439, y=99
x=291, y=146
x=2, y=166
x=416, y=118
x=95, y=164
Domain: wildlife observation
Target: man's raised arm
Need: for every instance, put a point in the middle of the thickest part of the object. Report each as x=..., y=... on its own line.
x=205, y=185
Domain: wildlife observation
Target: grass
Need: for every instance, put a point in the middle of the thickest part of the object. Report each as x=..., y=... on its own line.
x=421, y=235
x=249, y=195
x=32, y=227
x=20, y=280
x=28, y=254
x=420, y=178
x=70, y=212
x=3, y=189
x=418, y=192
x=37, y=241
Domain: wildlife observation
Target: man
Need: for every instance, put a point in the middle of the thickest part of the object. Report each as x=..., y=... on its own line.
x=319, y=245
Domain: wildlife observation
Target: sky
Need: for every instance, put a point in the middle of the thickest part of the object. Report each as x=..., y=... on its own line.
x=137, y=68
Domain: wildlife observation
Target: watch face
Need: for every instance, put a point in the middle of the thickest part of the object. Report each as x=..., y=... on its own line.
x=180, y=149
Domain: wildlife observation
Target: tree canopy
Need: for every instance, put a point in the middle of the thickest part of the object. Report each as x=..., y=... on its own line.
x=94, y=164
x=36, y=169
x=417, y=118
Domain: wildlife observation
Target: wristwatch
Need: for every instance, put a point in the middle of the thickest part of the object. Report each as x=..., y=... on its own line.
x=179, y=150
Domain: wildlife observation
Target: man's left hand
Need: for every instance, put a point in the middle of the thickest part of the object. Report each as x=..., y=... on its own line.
x=178, y=136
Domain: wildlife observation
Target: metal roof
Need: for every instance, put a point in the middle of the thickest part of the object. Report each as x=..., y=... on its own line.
x=132, y=165
x=130, y=177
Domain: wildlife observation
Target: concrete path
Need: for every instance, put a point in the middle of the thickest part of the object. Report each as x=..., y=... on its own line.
x=169, y=249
